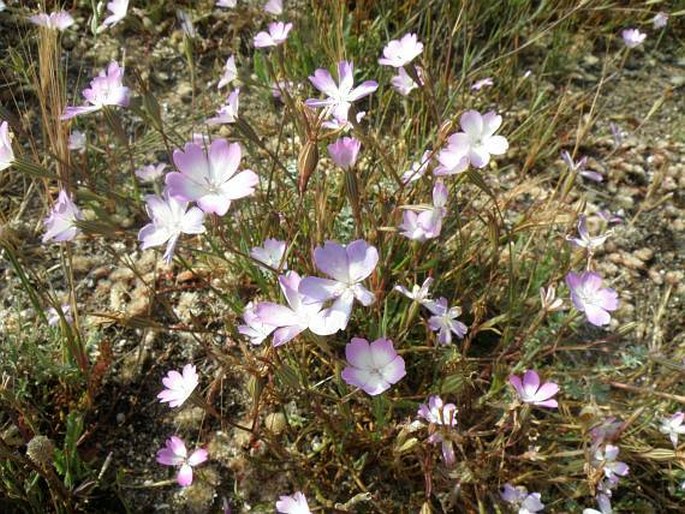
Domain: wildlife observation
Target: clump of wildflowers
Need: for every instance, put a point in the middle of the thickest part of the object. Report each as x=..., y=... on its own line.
x=590, y=297
x=372, y=367
x=530, y=390
x=179, y=386
x=60, y=225
x=294, y=504
x=105, y=89
x=175, y=453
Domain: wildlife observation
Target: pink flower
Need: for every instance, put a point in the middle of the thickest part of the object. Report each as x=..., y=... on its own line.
x=60, y=224
x=229, y=4
x=585, y=240
x=340, y=124
x=633, y=37
x=418, y=169
x=606, y=460
x=426, y=224
x=105, y=89
x=530, y=391
x=60, y=20
x=118, y=8
x=372, y=367
x=230, y=73
x=151, y=172
x=295, y=504
x=403, y=83
x=278, y=33
x=590, y=297
x=579, y=167
x=480, y=84
x=254, y=327
x=170, y=218
x=520, y=499
x=176, y=454
x=271, y=253
x=6, y=152
x=660, y=20
x=438, y=413
x=340, y=97
x=344, y=152
x=227, y=113
x=674, y=427
x=209, y=176
x=474, y=145
x=398, y=53
x=445, y=322
x=179, y=386
x=274, y=7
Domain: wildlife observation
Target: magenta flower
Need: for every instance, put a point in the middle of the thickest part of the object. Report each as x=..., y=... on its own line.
x=230, y=73
x=418, y=293
x=418, y=169
x=274, y=7
x=403, y=83
x=474, y=145
x=530, y=391
x=480, y=84
x=105, y=89
x=606, y=460
x=77, y=141
x=179, y=386
x=673, y=427
x=278, y=33
x=426, y=224
x=579, y=167
x=118, y=9
x=398, y=53
x=295, y=504
x=590, y=297
x=209, y=176
x=340, y=97
x=176, y=454
x=660, y=20
x=271, y=253
x=60, y=20
x=372, y=367
x=445, y=322
x=6, y=152
x=254, y=327
x=519, y=498
x=344, y=152
x=54, y=316
x=348, y=267
x=585, y=240
x=633, y=37
x=438, y=413
x=170, y=218
x=227, y=113
x=60, y=225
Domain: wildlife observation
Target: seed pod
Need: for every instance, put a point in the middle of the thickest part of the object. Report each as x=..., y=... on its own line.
x=306, y=164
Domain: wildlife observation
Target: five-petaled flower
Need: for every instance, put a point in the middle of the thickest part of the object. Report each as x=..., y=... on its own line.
x=208, y=176
x=6, y=152
x=227, y=113
x=444, y=321
x=118, y=8
x=60, y=224
x=277, y=34
x=673, y=427
x=418, y=169
x=344, y=151
x=340, y=96
x=105, y=89
x=271, y=253
x=179, y=386
x=426, y=224
x=59, y=20
x=606, y=459
x=230, y=73
x=580, y=167
x=585, y=240
x=170, y=218
x=400, y=52
x=176, y=454
x=418, y=293
x=633, y=37
x=590, y=297
x=372, y=367
x=403, y=83
x=294, y=504
x=530, y=390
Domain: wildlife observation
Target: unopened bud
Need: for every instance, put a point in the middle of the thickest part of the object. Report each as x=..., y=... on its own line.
x=306, y=164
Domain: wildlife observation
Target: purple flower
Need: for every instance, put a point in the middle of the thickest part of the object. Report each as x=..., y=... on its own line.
x=607, y=429
x=274, y=7
x=531, y=391
x=474, y=145
x=254, y=327
x=418, y=293
x=340, y=97
x=77, y=141
x=590, y=297
x=480, y=84
x=426, y=224
x=348, y=267
x=418, y=169
x=271, y=253
x=438, y=413
x=105, y=89
x=60, y=20
x=170, y=218
x=673, y=427
x=208, y=176
x=660, y=20
x=227, y=113
x=585, y=241
x=579, y=167
x=295, y=504
x=176, y=454
x=118, y=8
x=6, y=152
x=403, y=83
x=60, y=225
x=151, y=172
x=179, y=386
x=445, y=322
x=372, y=367
x=54, y=316
x=633, y=37
x=344, y=152
x=230, y=73
x=278, y=33
x=398, y=53
x=606, y=460
x=519, y=498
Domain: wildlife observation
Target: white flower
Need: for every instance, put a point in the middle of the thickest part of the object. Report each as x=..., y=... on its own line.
x=151, y=172
x=673, y=427
x=227, y=113
x=633, y=37
x=230, y=73
x=6, y=152
x=398, y=53
x=77, y=141
x=271, y=253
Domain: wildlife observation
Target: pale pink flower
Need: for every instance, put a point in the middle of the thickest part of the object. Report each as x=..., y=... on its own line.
x=277, y=34
x=77, y=141
x=179, y=386
x=254, y=326
x=444, y=321
x=606, y=460
x=59, y=20
x=438, y=413
x=6, y=152
x=590, y=297
x=372, y=367
x=60, y=224
x=519, y=498
x=295, y=504
x=579, y=167
x=150, y=172
x=210, y=176
x=398, y=53
x=274, y=7
x=633, y=37
x=403, y=83
x=229, y=4
x=418, y=169
x=418, y=293
x=227, y=113
x=118, y=8
x=105, y=89
x=176, y=454
x=271, y=253
x=426, y=224
x=230, y=73
x=660, y=20
x=585, y=240
x=480, y=84
x=673, y=427
x=530, y=390
x=54, y=316
x=344, y=152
